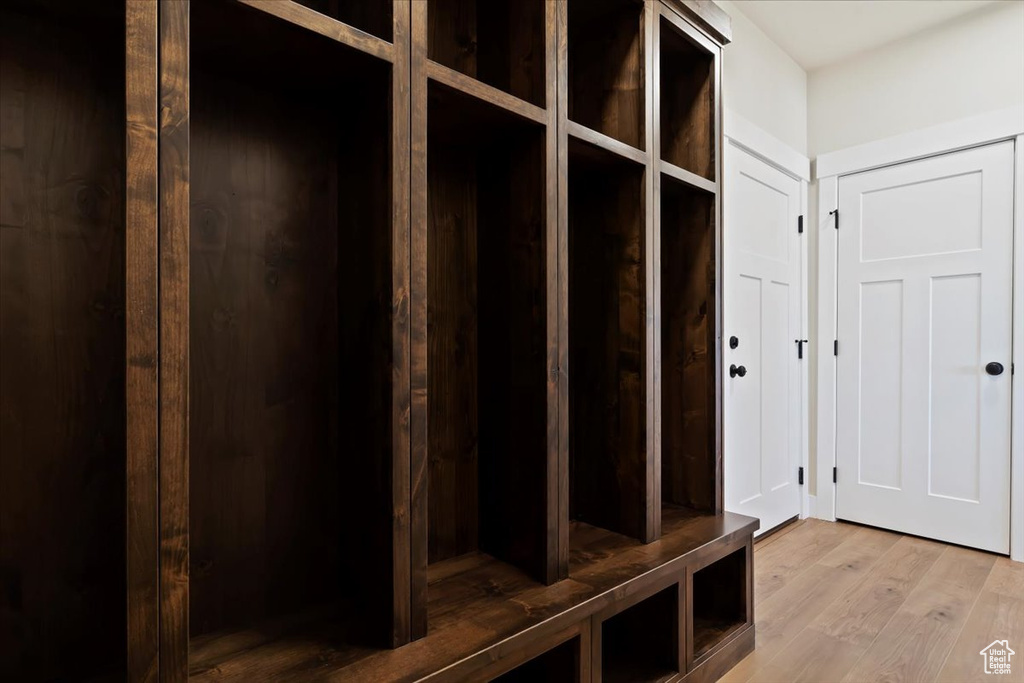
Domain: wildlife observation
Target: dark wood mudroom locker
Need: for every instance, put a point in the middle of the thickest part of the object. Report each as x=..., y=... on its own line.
x=364, y=340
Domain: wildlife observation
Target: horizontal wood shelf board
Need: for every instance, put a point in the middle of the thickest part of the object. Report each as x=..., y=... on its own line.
x=310, y=19
x=606, y=143
x=707, y=652
x=687, y=178
x=486, y=93
x=479, y=605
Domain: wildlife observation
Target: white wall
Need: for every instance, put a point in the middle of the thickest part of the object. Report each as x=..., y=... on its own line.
x=762, y=83
x=970, y=65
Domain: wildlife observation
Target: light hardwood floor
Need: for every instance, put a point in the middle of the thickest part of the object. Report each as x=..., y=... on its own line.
x=840, y=602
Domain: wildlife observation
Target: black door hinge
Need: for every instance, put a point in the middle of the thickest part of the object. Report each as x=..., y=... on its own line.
x=834, y=478
x=800, y=347
x=800, y=476
x=835, y=212
x=800, y=224
x=835, y=348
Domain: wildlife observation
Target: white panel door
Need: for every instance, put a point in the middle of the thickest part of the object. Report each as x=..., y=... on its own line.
x=762, y=309
x=923, y=425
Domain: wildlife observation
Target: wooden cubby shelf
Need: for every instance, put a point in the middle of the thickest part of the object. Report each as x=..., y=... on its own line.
x=640, y=644
x=689, y=447
x=290, y=336
x=606, y=293
x=563, y=663
x=364, y=340
x=687, y=98
x=486, y=344
x=718, y=612
x=606, y=68
x=497, y=42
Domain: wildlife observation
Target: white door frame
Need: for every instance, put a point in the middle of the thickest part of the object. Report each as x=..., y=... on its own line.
x=1003, y=124
x=753, y=140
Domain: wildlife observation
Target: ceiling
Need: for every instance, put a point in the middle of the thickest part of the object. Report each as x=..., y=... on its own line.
x=821, y=32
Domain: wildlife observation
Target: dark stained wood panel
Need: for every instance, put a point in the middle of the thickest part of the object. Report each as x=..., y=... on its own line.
x=687, y=103
x=607, y=439
x=291, y=451
x=372, y=16
x=560, y=664
x=174, y=172
x=487, y=311
x=142, y=341
x=498, y=42
x=641, y=643
x=688, y=432
x=481, y=609
x=62, y=343
x=719, y=609
x=606, y=68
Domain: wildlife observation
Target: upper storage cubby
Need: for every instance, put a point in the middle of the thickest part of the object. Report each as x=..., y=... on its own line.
x=607, y=323
x=689, y=357
x=290, y=305
x=371, y=16
x=63, y=582
x=687, y=102
x=606, y=67
x=486, y=333
x=498, y=42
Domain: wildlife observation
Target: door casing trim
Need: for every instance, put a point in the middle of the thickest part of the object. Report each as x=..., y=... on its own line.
x=750, y=138
x=997, y=126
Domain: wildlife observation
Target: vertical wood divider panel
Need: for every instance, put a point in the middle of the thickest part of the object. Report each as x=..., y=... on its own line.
x=652, y=277
x=418, y=319
x=401, y=483
x=141, y=337
x=561, y=107
x=174, y=336
x=557, y=560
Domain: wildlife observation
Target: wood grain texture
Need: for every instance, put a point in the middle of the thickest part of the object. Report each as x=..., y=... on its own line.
x=497, y=42
x=292, y=298
x=482, y=610
x=401, y=417
x=142, y=331
x=174, y=171
x=561, y=135
x=487, y=335
x=419, y=379
x=688, y=398
x=687, y=88
x=375, y=18
x=606, y=68
x=608, y=455
x=62, y=342
x=557, y=465
x=911, y=646
x=882, y=607
x=468, y=85
x=707, y=15
x=310, y=20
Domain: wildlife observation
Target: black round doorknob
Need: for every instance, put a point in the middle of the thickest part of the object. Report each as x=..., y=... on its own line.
x=994, y=368
x=735, y=370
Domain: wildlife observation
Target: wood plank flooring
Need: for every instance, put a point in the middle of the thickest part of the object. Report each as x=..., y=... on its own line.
x=845, y=603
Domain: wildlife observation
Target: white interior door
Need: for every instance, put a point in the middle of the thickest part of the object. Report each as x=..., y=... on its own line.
x=923, y=428
x=762, y=310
